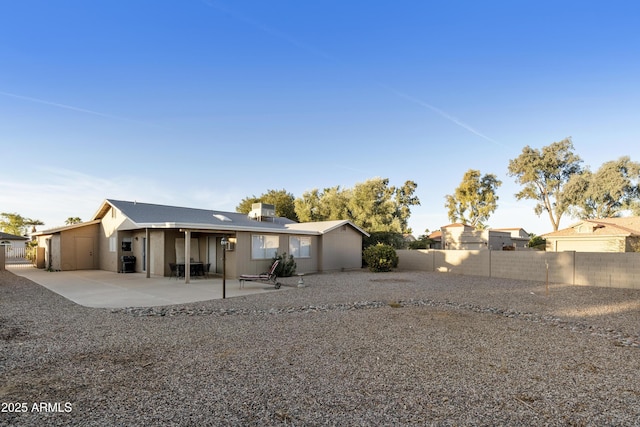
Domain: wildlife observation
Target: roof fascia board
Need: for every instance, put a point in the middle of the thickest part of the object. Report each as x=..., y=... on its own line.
x=205, y=228
x=66, y=228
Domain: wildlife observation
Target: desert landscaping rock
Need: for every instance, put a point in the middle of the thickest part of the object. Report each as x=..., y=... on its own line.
x=355, y=348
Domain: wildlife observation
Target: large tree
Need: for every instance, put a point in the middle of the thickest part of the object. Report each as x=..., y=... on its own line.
x=606, y=193
x=405, y=198
x=325, y=205
x=16, y=224
x=544, y=174
x=283, y=201
x=474, y=200
x=372, y=205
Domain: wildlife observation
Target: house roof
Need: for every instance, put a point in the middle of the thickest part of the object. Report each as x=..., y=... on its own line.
x=626, y=226
x=436, y=235
x=323, y=226
x=66, y=227
x=7, y=236
x=146, y=215
x=456, y=224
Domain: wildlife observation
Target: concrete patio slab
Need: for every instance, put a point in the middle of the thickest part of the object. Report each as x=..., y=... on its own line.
x=104, y=289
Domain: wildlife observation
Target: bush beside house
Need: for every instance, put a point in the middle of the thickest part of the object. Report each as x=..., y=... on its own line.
x=380, y=257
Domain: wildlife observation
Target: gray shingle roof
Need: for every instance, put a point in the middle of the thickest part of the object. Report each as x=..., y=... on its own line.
x=151, y=214
x=7, y=236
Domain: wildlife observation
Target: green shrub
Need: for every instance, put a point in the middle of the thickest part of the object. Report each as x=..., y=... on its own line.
x=287, y=265
x=537, y=242
x=380, y=257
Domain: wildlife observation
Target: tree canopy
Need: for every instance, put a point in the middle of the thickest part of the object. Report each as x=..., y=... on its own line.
x=328, y=204
x=16, y=224
x=281, y=199
x=605, y=193
x=474, y=200
x=544, y=174
x=372, y=205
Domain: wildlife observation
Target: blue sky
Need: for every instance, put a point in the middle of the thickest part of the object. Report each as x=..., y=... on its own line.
x=201, y=103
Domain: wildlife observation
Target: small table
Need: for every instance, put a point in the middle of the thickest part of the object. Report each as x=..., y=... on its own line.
x=195, y=269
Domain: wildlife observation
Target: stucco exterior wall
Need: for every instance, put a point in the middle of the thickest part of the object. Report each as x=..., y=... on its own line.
x=467, y=238
x=576, y=268
x=74, y=249
x=243, y=263
x=75, y=255
x=341, y=249
x=110, y=251
x=587, y=244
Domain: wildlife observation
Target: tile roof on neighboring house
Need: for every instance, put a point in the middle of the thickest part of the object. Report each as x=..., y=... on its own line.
x=436, y=235
x=626, y=226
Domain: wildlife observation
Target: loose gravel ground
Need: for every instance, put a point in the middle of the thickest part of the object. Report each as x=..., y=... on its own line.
x=350, y=349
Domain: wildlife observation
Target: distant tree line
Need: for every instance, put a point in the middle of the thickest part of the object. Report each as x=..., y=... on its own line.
x=555, y=178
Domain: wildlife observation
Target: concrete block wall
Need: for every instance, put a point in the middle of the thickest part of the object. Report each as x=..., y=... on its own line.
x=416, y=260
x=516, y=265
x=472, y=263
x=577, y=268
x=618, y=270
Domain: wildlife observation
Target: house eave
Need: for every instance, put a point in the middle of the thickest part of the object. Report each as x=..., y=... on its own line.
x=210, y=228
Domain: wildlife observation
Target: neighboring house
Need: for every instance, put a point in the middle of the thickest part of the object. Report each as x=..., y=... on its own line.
x=14, y=246
x=436, y=240
x=462, y=236
x=159, y=235
x=409, y=238
x=519, y=237
x=597, y=235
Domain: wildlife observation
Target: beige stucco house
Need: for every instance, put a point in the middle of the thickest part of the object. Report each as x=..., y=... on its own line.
x=158, y=236
x=463, y=236
x=597, y=235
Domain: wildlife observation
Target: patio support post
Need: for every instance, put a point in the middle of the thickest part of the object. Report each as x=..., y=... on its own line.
x=148, y=253
x=223, y=242
x=187, y=256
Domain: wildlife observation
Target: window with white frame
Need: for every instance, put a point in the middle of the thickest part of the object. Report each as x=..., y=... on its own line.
x=264, y=246
x=300, y=247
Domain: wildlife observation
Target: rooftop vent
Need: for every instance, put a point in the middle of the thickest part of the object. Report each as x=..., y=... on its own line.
x=262, y=211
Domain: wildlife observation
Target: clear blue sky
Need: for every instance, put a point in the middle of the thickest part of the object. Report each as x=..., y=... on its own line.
x=201, y=103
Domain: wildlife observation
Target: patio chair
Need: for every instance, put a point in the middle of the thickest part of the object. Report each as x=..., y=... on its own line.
x=174, y=270
x=266, y=277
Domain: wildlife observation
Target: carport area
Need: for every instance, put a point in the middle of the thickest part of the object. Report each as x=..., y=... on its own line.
x=104, y=289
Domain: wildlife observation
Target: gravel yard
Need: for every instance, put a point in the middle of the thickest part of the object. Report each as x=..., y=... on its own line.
x=356, y=348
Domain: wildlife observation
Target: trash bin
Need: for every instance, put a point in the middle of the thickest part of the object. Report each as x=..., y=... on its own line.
x=128, y=264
